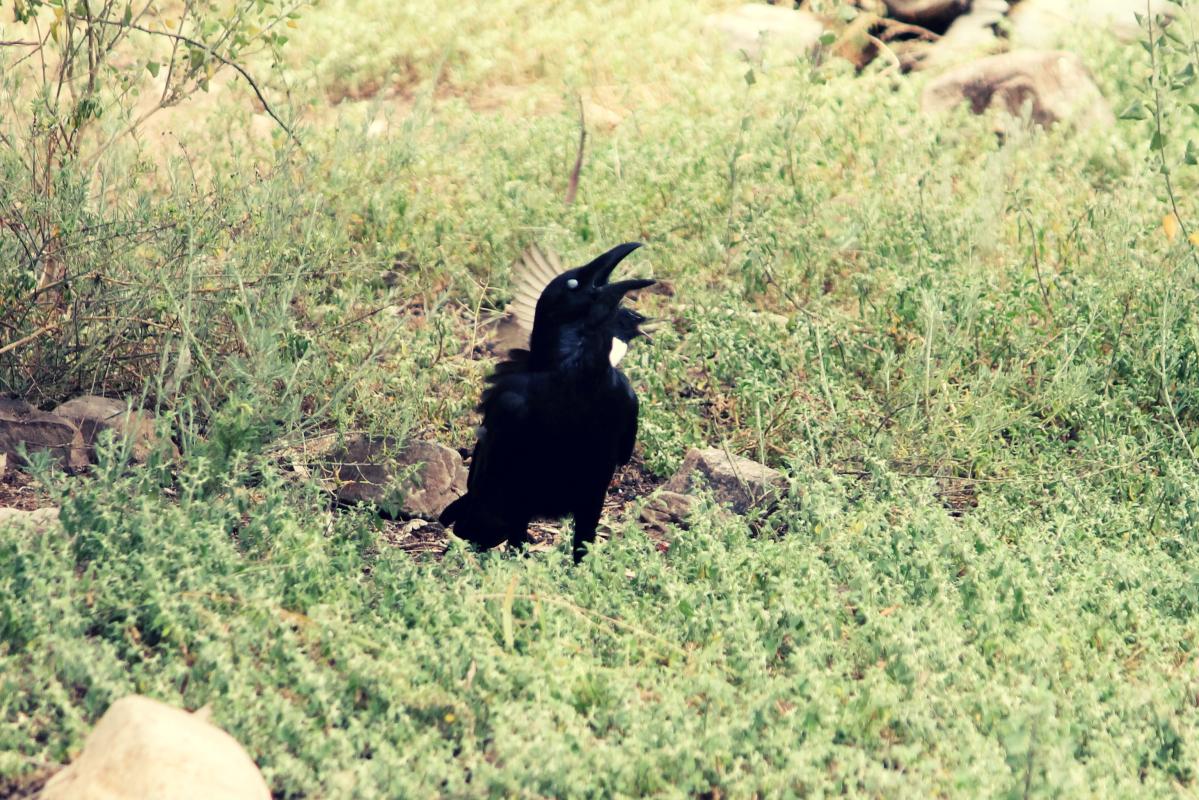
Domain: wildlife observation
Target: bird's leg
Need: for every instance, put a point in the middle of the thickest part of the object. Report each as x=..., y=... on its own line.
x=586, y=520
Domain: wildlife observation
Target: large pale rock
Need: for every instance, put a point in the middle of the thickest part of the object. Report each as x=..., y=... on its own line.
x=970, y=35
x=142, y=749
x=1054, y=85
x=22, y=424
x=417, y=479
x=926, y=12
x=737, y=481
x=39, y=518
x=95, y=414
x=748, y=26
x=1053, y=23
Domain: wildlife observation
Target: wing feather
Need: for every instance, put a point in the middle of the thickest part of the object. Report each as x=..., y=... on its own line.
x=530, y=273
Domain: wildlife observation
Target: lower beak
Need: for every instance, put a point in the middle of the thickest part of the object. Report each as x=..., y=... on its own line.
x=650, y=327
x=616, y=291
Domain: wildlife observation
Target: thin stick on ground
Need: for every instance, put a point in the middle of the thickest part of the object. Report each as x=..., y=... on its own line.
x=27, y=339
x=572, y=187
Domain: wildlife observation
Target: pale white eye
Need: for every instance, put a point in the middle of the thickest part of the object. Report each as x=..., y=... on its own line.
x=572, y=284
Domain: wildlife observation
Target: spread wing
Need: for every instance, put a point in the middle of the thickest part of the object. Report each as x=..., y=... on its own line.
x=530, y=273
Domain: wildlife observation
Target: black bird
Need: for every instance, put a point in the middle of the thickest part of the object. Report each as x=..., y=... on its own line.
x=559, y=417
x=531, y=273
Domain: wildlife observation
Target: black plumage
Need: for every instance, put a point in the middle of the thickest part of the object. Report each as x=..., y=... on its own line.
x=559, y=417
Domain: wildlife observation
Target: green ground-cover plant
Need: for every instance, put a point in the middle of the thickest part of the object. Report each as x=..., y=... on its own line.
x=95, y=266
x=884, y=306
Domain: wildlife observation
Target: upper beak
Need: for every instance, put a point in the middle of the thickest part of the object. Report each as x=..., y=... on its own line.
x=599, y=270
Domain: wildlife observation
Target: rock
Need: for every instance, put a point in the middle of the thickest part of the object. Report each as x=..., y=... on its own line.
x=970, y=35
x=737, y=481
x=39, y=518
x=745, y=28
x=926, y=13
x=856, y=43
x=142, y=748
x=1055, y=85
x=666, y=508
x=1051, y=23
x=95, y=414
x=418, y=479
x=21, y=423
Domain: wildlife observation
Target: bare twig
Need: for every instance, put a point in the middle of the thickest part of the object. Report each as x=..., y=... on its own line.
x=166, y=84
x=360, y=317
x=27, y=339
x=1036, y=262
x=572, y=187
x=882, y=46
x=1107, y=381
x=1155, y=82
x=895, y=28
x=1032, y=751
x=227, y=62
x=1166, y=394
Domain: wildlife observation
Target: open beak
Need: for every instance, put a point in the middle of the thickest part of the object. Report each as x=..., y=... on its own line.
x=614, y=292
x=598, y=271
x=649, y=327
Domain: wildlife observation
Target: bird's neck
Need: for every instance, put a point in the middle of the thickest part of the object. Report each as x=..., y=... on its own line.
x=574, y=349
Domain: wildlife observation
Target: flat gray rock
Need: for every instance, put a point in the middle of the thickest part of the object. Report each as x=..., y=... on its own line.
x=416, y=479
x=95, y=414
x=926, y=12
x=971, y=35
x=738, y=482
x=38, y=431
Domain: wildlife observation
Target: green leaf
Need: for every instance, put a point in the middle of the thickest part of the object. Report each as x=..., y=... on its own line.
x=153, y=67
x=1157, y=141
x=827, y=38
x=750, y=79
x=1192, y=153
x=1136, y=110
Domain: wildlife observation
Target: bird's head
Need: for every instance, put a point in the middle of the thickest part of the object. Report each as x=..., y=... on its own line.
x=585, y=295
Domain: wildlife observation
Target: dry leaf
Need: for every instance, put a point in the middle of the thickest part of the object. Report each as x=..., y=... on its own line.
x=1170, y=227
